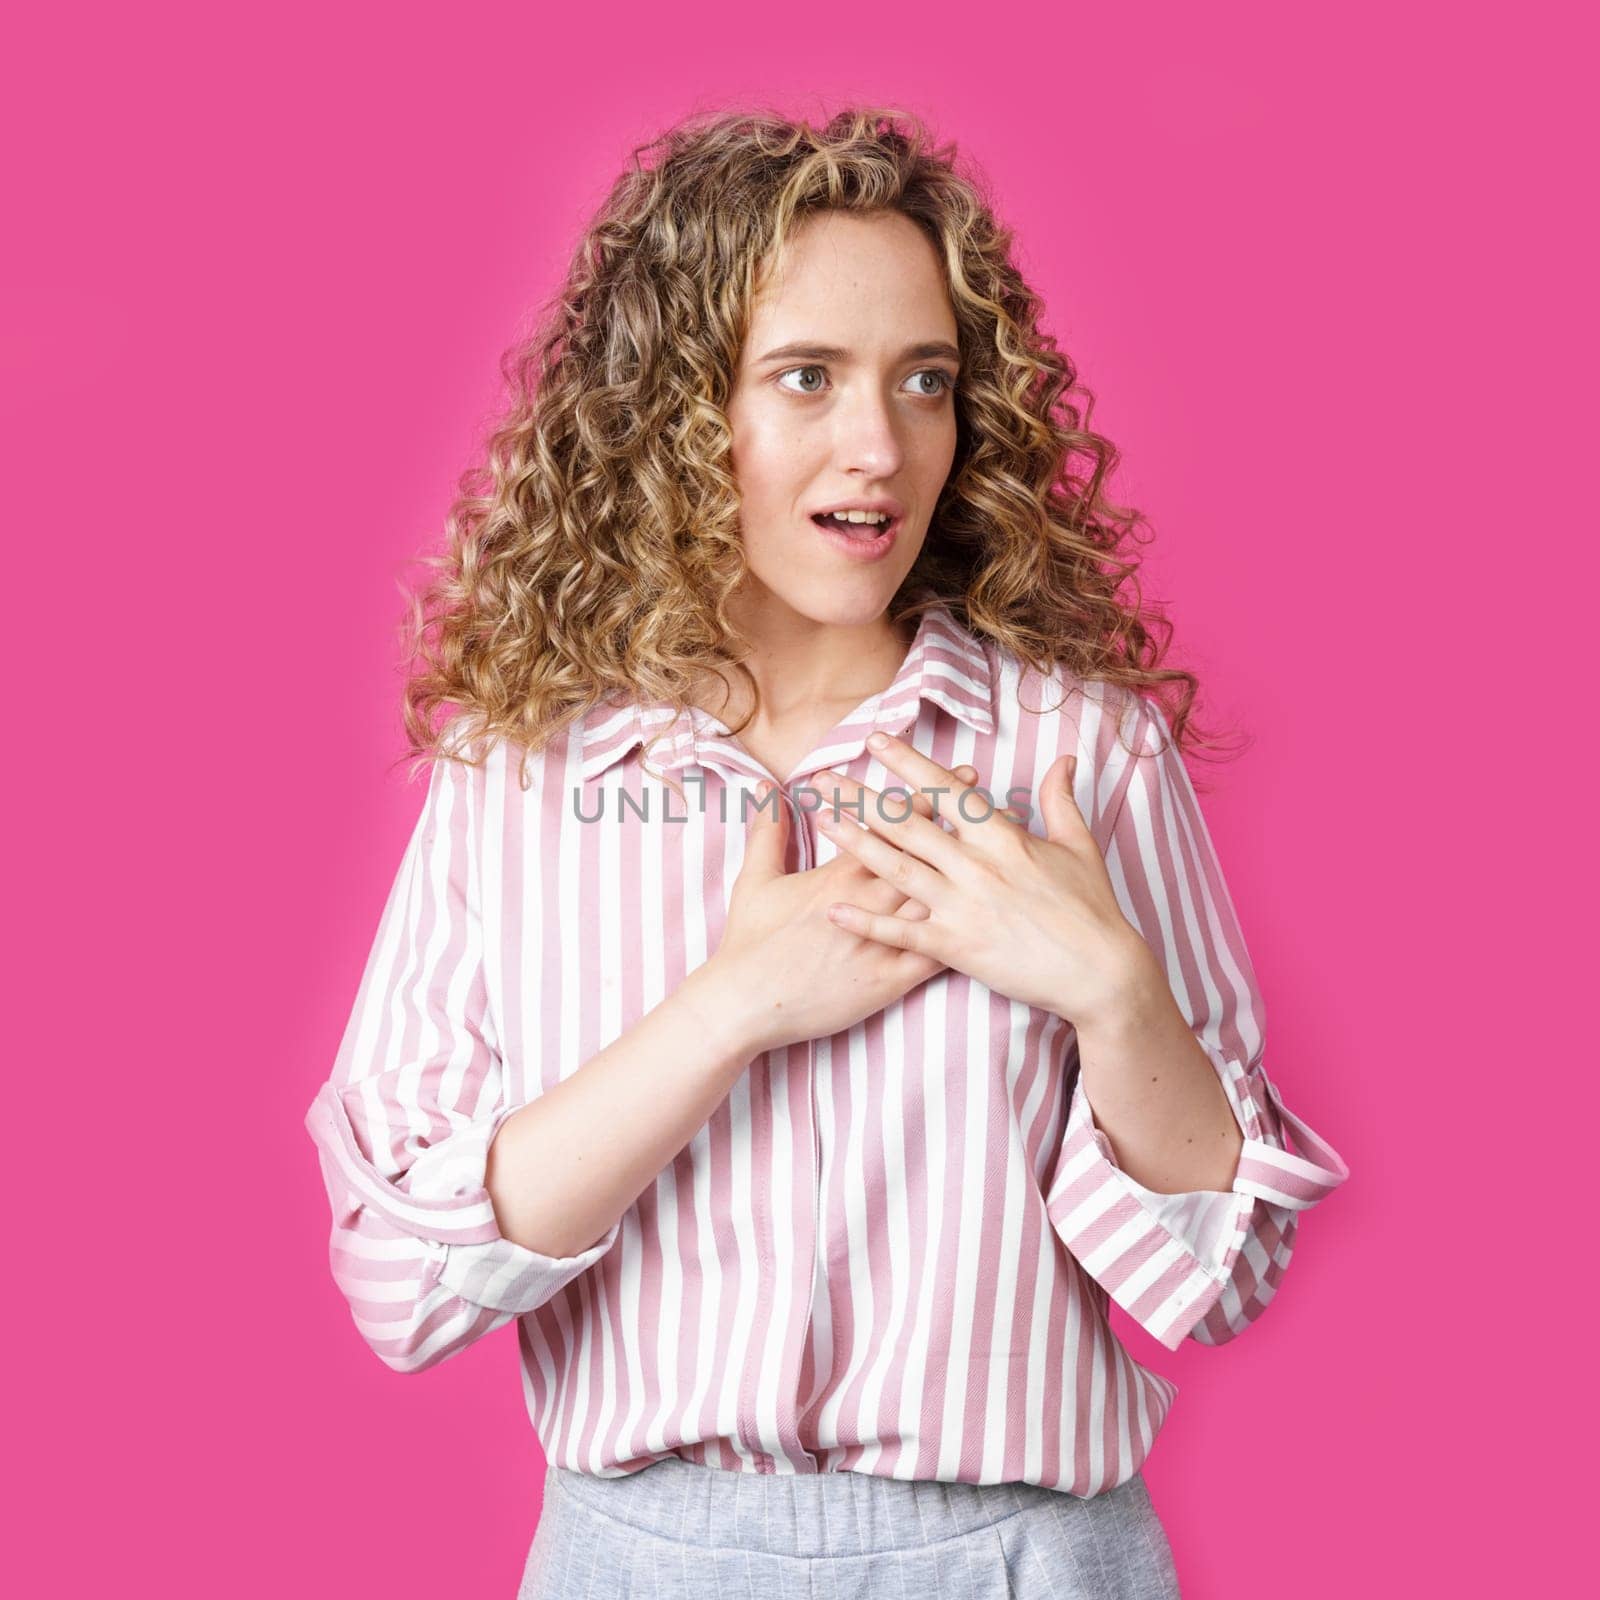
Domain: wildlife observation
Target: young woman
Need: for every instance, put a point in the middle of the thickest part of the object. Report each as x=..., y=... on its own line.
x=806, y=1099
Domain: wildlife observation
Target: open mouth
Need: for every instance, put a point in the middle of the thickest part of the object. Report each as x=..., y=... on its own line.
x=867, y=532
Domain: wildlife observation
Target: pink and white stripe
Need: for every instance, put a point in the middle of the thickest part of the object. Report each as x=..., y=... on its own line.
x=890, y=1251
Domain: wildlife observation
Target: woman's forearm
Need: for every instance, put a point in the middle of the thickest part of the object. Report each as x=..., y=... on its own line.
x=1154, y=1091
x=570, y=1162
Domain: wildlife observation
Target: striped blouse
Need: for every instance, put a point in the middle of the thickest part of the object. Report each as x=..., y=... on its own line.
x=888, y=1251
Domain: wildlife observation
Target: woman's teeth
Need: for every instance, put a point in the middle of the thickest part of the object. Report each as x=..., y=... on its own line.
x=857, y=527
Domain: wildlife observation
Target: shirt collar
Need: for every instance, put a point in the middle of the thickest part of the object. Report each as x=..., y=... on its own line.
x=946, y=664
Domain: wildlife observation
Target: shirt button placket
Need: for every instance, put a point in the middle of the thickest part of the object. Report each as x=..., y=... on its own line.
x=806, y=1284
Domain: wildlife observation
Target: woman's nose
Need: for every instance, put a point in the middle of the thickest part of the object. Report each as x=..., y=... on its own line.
x=868, y=434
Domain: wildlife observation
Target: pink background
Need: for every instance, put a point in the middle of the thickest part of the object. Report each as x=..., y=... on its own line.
x=1329, y=281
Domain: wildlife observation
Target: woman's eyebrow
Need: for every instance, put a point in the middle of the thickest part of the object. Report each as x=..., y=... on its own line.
x=833, y=352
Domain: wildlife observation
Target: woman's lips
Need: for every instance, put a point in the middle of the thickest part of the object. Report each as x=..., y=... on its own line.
x=860, y=547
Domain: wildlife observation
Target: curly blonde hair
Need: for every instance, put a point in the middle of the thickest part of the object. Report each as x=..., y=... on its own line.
x=591, y=555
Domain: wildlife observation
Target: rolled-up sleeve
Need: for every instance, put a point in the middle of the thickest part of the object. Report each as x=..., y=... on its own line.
x=403, y=1125
x=1202, y=1264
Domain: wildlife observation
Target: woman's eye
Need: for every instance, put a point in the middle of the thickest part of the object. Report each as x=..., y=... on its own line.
x=793, y=370
x=946, y=382
x=945, y=385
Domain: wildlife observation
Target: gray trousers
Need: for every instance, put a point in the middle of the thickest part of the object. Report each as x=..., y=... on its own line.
x=677, y=1530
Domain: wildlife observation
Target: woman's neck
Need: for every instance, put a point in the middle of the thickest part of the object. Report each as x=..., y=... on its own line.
x=806, y=667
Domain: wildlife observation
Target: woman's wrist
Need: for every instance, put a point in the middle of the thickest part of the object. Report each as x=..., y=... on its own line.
x=1130, y=978
x=721, y=1007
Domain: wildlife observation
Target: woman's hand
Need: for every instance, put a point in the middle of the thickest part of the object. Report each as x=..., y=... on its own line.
x=1034, y=919
x=788, y=971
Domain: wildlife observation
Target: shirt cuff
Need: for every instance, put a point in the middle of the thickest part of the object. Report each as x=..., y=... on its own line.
x=497, y=1272
x=1166, y=1259
x=1155, y=1272
x=1272, y=1173
x=444, y=1202
x=1204, y=1219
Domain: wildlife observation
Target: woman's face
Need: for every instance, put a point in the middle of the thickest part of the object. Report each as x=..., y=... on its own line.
x=843, y=397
